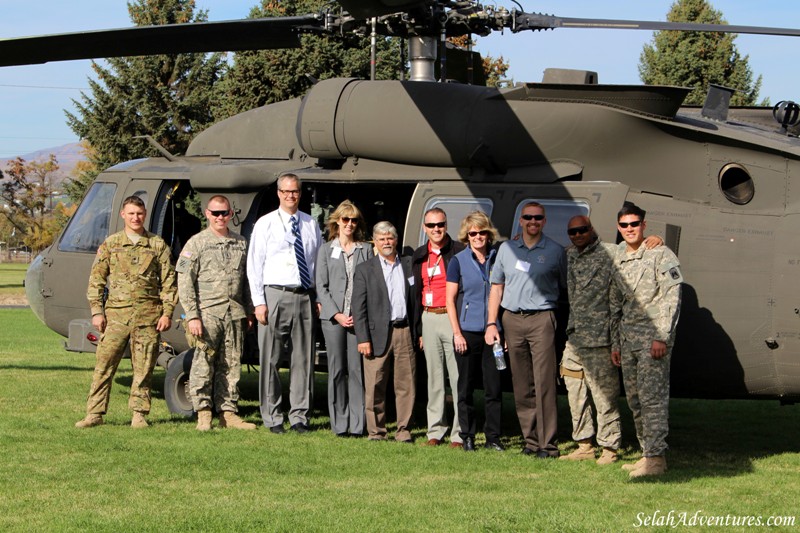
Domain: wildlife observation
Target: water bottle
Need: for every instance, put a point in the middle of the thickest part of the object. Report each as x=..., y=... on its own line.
x=499, y=358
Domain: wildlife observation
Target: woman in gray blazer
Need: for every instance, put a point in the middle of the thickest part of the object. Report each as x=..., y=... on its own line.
x=336, y=262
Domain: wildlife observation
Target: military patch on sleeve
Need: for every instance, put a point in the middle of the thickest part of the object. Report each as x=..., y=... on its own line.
x=183, y=263
x=671, y=273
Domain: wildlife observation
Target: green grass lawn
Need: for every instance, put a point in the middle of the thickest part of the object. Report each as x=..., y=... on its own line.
x=11, y=278
x=737, y=458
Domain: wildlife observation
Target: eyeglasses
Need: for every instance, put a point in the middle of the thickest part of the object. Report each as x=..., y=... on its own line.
x=220, y=213
x=346, y=220
x=289, y=192
x=532, y=217
x=578, y=230
x=482, y=233
x=431, y=225
x=634, y=224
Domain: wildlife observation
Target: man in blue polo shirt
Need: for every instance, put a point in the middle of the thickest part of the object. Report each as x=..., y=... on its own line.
x=527, y=279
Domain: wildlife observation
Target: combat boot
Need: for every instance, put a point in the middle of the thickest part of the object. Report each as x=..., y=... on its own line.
x=228, y=419
x=653, y=466
x=607, y=457
x=138, y=421
x=584, y=452
x=630, y=467
x=204, y=420
x=90, y=421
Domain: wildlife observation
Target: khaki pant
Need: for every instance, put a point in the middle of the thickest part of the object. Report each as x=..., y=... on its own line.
x=437, y=340
x=144, y=353
x=376, y=379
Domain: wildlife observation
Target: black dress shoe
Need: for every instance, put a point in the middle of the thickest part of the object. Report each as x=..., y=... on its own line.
x=300, y=428
x=541, y=454
x=528, y=451
x=494, y=445
x=343, y=435
x=468, y=445
x=278, y=430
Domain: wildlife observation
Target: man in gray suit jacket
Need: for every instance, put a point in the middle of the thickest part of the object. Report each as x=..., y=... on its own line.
x=382, y=306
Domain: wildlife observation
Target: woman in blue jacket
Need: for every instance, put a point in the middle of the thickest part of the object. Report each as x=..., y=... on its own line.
x=467, y=297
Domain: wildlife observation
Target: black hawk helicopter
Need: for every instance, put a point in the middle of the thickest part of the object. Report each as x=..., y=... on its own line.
x=717, y=183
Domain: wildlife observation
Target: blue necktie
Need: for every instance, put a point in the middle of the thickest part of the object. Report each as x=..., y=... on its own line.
x=300, y=255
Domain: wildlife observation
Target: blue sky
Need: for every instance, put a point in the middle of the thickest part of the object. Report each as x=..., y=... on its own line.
x=33, y=98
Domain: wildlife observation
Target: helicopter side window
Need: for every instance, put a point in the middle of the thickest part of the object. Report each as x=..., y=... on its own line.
x=456, y=209
x=88, y=227
x=558, y=213
x=177, y=214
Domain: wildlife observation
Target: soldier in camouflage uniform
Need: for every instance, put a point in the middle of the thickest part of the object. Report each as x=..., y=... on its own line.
x=215, y=297
x=586, y=366
x=134, y=267
x=645, y=303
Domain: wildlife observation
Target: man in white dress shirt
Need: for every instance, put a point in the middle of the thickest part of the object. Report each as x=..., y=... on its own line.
x=280, y=269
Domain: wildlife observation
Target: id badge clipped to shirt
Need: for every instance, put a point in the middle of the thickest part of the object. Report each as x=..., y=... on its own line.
x=428, y=299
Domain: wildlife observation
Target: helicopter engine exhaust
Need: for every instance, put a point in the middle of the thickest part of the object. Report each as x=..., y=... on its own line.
x=432, y=124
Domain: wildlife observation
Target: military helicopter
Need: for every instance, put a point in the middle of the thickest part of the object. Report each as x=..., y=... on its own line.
x=717, y=182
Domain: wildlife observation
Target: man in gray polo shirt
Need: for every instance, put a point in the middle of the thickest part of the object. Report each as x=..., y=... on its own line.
x=527, y=278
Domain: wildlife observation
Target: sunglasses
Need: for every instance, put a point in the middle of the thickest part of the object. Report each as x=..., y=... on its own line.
x=345, y=220
x=579, y=230
x=431, y=225
x=532, y=217
x=634, y=224
x=219, y=213
x=482, y=233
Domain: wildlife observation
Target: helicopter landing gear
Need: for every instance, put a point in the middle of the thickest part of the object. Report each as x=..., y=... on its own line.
x=176, y=384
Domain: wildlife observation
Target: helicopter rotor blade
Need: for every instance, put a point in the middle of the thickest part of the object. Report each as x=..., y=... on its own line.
x=225, y=36
x=538, y=21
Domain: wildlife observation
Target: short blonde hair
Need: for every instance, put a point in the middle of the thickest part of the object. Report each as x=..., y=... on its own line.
x=477, y=219
x=346, y=209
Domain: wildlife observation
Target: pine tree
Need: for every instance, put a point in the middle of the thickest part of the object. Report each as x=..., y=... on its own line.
x=257, y=78
x=695, y=59
x=166, y=96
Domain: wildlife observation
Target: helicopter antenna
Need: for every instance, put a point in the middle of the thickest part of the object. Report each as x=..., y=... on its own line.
x=154, y=143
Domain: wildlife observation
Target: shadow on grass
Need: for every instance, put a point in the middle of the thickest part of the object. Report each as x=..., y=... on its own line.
x=48, y=369
x=708, y=438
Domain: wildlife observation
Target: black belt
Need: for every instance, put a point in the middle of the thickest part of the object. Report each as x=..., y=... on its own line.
x=296, y=290
x=400, y=323
x=529, y=312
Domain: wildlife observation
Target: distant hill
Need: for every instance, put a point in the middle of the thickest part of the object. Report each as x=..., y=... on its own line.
x=67, y=155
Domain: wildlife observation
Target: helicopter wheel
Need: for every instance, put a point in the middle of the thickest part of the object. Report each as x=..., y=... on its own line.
x=176, y=384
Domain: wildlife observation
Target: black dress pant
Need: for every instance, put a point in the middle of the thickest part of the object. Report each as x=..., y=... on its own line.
x=478, y=360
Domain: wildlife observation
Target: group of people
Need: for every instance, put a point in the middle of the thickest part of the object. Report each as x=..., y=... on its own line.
x=460, y=302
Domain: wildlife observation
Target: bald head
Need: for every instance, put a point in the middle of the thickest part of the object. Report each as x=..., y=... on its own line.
x=580, y=231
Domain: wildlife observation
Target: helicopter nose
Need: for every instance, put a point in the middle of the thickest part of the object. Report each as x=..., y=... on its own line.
x=33, y=286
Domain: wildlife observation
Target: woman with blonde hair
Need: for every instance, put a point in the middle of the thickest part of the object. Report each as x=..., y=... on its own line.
x=336, y=262
x=467, y=298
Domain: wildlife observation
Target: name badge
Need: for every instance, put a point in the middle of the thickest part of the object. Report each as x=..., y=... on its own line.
x=336, y=253
x=428, y=299
x=433, y=271
x=411, y=281
x=522, y=266
x=290, y=238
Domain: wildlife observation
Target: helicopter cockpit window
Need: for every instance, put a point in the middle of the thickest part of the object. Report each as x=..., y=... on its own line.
x=558, y=213
x=88, y=227
x=456, y=209
x=736, y=184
